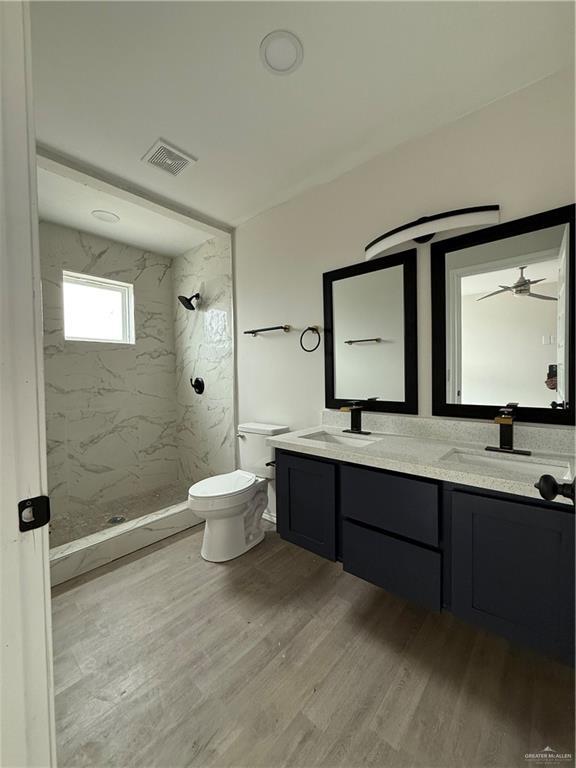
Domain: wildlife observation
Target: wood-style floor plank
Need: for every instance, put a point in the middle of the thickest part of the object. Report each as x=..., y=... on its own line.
x=281, y=659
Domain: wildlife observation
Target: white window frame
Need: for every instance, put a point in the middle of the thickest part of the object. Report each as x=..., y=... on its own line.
x=126, y=291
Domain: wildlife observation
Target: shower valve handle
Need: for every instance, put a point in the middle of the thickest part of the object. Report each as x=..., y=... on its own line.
x=198, y=385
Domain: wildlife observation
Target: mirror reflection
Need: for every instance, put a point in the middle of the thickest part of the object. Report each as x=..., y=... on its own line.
x=369, y=336
x=507, y=321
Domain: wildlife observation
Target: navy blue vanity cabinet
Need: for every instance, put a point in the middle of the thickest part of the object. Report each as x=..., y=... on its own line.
x=502, y=562
x=391, y=533
x=513, y=569
x=306, y=503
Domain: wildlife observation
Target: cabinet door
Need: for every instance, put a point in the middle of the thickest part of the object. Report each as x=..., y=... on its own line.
x=306, y=503
x=512, y=570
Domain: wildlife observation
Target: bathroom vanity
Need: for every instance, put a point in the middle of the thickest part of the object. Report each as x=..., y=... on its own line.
x=441, y=524
x=446, y=513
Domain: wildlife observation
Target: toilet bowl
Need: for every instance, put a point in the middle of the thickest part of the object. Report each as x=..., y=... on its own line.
x=232, y=504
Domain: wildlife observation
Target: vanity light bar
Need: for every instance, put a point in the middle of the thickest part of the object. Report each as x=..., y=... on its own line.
x=424, y=229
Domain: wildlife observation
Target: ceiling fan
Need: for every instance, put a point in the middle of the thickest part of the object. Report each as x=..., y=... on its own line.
x=522, y=287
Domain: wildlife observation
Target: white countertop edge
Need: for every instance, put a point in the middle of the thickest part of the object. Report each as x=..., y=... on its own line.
x=291, y=441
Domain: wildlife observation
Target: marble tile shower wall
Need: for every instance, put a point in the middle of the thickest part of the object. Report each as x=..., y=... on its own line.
x=205, y=348
x=111, y=410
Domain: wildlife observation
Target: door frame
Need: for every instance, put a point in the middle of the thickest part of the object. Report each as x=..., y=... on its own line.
x=27, y=726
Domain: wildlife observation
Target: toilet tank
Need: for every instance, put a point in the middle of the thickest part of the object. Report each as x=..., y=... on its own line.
x=252, y=449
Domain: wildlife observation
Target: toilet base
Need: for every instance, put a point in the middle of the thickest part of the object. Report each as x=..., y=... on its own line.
x=214, y=552
x=228, y=537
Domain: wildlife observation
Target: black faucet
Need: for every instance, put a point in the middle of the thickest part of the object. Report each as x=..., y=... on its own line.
x=355, y=409
x=505, y=419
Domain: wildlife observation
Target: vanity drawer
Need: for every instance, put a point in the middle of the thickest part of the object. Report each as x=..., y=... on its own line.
x=401, y=505
x=404, y=569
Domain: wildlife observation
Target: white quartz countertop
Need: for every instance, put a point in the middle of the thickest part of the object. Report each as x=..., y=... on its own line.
x=454, y=462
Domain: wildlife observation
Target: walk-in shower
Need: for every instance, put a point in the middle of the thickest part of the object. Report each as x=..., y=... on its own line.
x=126, y=433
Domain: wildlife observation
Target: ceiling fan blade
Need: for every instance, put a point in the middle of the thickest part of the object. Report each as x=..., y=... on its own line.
x=533, y=282
x=540, y=296
x=505, y=289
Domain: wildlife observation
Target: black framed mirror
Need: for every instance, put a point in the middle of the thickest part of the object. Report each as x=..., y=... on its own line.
x=503, y=320
x=370, y=321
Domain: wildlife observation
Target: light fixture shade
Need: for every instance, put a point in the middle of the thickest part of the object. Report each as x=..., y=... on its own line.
x=427, y=227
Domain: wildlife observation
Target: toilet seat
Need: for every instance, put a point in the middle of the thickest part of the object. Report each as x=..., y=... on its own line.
x=228, y=484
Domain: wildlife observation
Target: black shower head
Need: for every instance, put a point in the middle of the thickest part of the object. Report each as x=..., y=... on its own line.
x=187, y=302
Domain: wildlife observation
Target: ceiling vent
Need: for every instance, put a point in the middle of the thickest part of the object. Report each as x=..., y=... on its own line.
x=166, y=157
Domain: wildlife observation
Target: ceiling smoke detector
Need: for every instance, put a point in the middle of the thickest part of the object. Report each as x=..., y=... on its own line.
x=168, y=158
x=281, y=52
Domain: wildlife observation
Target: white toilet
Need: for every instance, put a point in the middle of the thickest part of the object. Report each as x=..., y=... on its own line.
x=233, y=504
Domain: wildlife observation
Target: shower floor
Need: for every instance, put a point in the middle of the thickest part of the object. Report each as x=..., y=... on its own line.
x=68, y=525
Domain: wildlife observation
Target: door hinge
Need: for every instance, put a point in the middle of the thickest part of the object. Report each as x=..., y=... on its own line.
x=33, y=513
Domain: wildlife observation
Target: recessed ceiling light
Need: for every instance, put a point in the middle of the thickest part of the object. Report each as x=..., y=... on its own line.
x=107, y=216
x=281, y=52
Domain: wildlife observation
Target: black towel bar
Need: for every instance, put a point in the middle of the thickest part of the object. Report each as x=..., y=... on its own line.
x=256, y=331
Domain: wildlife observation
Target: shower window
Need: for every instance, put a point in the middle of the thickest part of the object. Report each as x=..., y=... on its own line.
x=97, y=309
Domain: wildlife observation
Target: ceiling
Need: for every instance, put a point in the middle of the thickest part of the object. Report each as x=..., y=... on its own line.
x=70, y=201
x=112, y=77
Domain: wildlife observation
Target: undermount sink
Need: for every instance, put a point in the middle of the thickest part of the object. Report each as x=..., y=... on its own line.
x=530, y=467
x=358, y=441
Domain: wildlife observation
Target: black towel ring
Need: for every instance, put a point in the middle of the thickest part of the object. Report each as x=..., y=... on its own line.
x=312, y=329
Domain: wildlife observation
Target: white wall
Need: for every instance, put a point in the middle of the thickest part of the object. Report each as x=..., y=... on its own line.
x=503, y=356
x=518, y=152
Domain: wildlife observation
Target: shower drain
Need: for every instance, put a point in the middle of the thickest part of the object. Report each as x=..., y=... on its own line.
x=115, y=519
